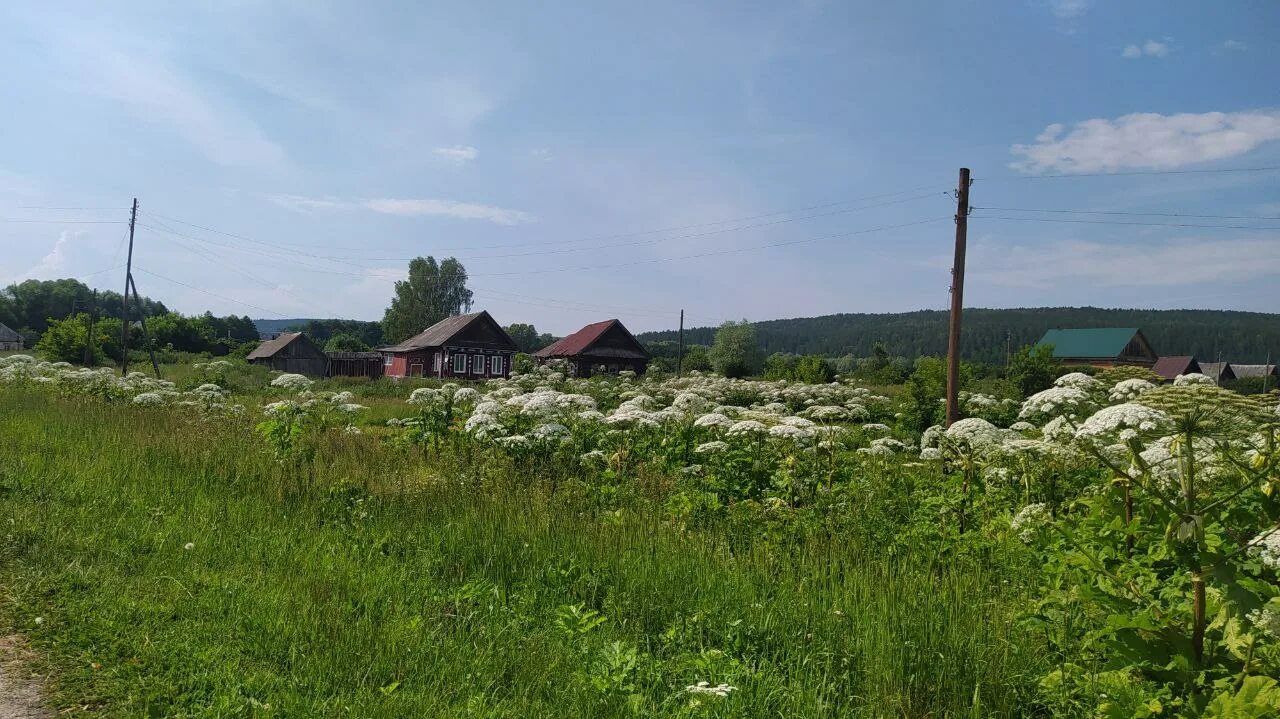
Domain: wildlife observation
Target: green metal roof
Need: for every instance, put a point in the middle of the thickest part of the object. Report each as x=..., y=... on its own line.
x=1089, y=343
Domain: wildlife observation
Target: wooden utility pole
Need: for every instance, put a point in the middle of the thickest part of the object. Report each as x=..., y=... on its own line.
x=957, y=298
x=128, y=279
x=88, y=344
x=680, y=351
x=146, y=336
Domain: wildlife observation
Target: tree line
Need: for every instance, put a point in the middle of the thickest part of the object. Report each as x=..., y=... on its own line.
x=991, y=335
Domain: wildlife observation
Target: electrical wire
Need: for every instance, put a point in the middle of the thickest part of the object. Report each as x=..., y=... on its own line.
x=68, y=222
x=1134, y=214
x=1132, y=173
x=1121, y=222
x=211, y=294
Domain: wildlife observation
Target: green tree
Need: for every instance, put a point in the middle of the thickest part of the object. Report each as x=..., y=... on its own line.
x=432, y=292
x=812, y=369
x=780, y=365
x=343, y=342
x=527, y=338
x=735, y=352
x=65, y=340
x=696, y=358
x=1033, y=369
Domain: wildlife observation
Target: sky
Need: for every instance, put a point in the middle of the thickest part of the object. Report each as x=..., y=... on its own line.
x=586, y=161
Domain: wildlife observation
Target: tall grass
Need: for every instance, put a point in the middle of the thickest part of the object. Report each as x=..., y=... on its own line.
x=399, y=586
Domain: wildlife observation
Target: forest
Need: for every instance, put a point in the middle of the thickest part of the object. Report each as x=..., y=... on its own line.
x=991, y=334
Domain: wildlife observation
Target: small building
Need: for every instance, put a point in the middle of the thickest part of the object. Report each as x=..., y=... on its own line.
x=1253, y=370
x=1170, y=367
x=9, y=339
x=291, y=352
x=354, y=364
x=1218, y=371
x=470, y=346
x=1100, y=346
x=600, y=347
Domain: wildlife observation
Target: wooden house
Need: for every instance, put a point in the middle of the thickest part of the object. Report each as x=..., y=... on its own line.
x=1253, y=370
x=600, y=347
x=9, y=339
x=1100, y=346
x=470, y=346
x=1170, y=367
x=1218, y=371
x=354, y=364
x=291, y=352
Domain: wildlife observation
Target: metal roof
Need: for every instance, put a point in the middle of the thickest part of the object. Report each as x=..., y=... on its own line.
x=1171, y=367
x=1089, y=343
x=7, y=334
x=1217, y=370
x=579, y=342
x=269, y=347
x=440, y=333
x=1253, y=370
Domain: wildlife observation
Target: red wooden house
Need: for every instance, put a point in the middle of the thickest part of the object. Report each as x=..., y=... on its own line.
x=599, y=347
x=470, y=346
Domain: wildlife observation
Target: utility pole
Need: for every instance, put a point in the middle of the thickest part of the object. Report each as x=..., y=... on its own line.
x=146, y=336
x=88, y=344
x=128, y=280
x=957, y=298
x=680, y=351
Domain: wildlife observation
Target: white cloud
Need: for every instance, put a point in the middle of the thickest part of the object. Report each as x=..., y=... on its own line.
x=418, y=207
x=1235, y=45
x=154, y=92
x=540, y=153
x=458, y=154
x=1068, y=9
x=51, y=266
x=1150, y=48
x=448, y=208
x=1176, y=262
x=1147, y=141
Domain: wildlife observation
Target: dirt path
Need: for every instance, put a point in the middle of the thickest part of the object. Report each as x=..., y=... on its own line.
x=19, y=689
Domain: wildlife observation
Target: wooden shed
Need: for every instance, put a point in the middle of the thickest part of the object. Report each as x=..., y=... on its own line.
x=291, y=352
x=1100, y=346
x=1170, y=367
x=9, y=339
x=470, y=346
x=354, y=364
x=600, y=347
x=1218, y=371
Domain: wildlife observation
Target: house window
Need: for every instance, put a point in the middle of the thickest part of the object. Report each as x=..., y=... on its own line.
x=477, y=364
x=435, y=363
x=459, y=364
x=415, y=369
x=495, y=365
x=387, y=360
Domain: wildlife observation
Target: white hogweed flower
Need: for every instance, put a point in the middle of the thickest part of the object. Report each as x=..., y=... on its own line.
x=291, y=381
x=1127, y=390
x=1029, y=520
x=1120, y=419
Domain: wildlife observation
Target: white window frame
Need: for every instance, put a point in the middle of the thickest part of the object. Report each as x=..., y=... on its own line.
x=388, y=360
x=497, y=365
x=435, y=362
x=477, y=364
x=453, y=364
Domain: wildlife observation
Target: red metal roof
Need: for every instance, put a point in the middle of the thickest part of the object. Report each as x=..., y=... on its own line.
x=577, y=342
x=1171, y=367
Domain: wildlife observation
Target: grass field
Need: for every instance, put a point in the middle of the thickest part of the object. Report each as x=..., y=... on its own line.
x=175, y=571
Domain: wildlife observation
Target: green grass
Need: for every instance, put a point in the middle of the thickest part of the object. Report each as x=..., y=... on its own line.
x=396, y=586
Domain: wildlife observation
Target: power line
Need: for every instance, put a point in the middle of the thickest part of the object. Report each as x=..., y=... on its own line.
x=635, y=243
x=211, y=294
x=68, y=222
x=41, y=207
x=1121, y=222
x=1135, y=214
x=1134, y=173
x=714, y=253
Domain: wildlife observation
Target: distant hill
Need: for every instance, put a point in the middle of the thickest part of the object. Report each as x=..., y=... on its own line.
x=1238, y=336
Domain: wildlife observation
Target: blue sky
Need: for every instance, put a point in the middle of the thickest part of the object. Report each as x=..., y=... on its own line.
x=598, y=160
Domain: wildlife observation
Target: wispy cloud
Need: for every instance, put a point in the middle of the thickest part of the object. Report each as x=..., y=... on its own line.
x=1147, y=141
x=155, y=92
x=1177, y=262
x=1069, y=9
x=1235, y=46
x=448, y=208
x=458, y=154
x=408, y=207
x=1150, y=48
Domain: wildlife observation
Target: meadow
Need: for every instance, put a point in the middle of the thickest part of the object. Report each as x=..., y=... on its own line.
x=231, y=543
